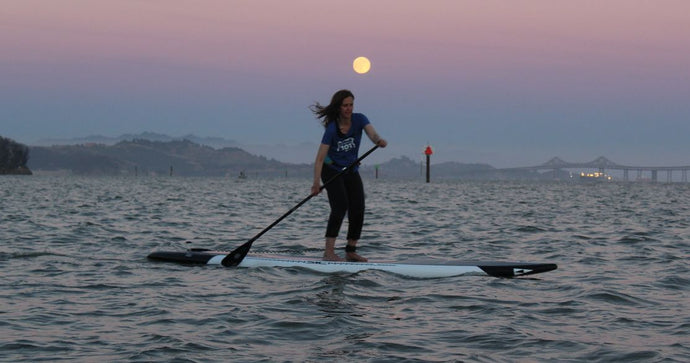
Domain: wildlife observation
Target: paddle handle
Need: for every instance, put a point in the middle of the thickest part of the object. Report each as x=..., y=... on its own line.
x=343, y=171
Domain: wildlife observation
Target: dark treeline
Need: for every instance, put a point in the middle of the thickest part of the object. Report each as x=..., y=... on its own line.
x=13, y=157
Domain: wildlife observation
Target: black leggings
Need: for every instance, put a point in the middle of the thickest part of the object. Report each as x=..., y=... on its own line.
x=346, y=196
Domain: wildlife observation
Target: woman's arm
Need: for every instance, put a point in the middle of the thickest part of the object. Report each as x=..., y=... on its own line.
x=374, y=136
x=318, y=165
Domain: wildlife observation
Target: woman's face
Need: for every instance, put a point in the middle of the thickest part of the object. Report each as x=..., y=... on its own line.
x=346, y=108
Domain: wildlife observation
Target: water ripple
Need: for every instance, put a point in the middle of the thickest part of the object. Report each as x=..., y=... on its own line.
x=77, y=286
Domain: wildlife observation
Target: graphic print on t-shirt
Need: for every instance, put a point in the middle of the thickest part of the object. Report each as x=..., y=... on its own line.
x=346, y=145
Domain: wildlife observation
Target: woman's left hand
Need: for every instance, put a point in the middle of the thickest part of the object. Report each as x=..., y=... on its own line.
x=315, y=189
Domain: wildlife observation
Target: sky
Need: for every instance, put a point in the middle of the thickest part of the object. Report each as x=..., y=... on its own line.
x=508, y=83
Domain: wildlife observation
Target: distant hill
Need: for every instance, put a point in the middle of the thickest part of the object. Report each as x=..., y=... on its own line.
x=215, y=142
x=404, y=167
x=146, y=157
x=285, y=153
x=171, y=156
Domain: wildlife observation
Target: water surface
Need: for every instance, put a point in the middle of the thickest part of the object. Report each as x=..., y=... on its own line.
x=77, y=285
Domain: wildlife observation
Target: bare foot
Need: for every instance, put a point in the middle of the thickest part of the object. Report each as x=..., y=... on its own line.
x=354, y=257
x=331, y=257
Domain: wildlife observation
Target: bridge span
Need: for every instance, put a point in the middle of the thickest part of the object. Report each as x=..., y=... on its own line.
x=644, y=173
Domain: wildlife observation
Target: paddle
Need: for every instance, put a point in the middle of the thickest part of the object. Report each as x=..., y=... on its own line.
x=235, y=257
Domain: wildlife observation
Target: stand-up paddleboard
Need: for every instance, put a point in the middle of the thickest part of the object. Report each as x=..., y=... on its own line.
x=497, y=269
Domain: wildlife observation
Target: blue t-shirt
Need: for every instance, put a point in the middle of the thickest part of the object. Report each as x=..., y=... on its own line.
x=344, y=148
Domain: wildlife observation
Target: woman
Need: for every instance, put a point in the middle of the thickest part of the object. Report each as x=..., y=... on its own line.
x=339, y=148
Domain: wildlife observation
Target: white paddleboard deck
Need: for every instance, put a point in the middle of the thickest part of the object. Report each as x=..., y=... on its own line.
x=420, y=270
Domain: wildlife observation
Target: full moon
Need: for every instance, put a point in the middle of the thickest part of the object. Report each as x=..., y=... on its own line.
x=361, y=65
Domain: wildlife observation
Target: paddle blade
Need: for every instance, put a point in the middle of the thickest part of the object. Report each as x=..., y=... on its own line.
x=235, y=257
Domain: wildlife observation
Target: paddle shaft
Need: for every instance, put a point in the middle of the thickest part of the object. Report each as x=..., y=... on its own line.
x=235, y=257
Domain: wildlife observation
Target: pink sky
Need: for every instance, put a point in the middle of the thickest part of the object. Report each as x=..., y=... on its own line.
x=488, y=78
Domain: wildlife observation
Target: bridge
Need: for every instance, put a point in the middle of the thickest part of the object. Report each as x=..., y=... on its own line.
x=602, y=164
